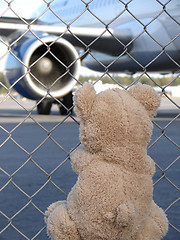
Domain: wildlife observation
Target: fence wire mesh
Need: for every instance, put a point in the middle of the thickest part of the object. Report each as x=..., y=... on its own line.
x=34, y=149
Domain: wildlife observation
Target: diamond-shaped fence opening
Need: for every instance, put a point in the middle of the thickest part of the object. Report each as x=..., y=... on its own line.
x=42, y=53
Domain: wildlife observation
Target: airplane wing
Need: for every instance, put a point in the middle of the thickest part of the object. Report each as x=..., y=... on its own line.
x=8, y=25
x=99, y=39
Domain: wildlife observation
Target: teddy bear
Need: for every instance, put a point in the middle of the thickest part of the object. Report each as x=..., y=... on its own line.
x=113, y=196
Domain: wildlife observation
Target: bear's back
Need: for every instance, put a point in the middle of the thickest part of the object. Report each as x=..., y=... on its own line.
x=99, y=190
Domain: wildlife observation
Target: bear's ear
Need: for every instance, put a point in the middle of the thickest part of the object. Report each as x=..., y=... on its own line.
x=83, y=100
x=147, y=96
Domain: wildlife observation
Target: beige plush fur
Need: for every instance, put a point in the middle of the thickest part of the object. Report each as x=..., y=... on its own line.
x=113, y=196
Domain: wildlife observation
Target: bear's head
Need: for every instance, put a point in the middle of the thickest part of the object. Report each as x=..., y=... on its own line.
x=115, y=118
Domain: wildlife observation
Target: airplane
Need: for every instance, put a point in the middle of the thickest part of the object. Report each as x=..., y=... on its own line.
x=46, y=51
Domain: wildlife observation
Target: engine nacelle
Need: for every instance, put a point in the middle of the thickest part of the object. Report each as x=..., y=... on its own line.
x=47, y=66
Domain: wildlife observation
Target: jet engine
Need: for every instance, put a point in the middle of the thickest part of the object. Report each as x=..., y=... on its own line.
x=44, y=67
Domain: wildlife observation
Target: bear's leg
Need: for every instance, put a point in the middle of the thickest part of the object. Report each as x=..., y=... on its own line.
x=59, y=224
x=51, y=209
x=156, y=226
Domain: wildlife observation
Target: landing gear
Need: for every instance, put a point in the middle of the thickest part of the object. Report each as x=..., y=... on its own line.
x=44, y=107
x=68, y=102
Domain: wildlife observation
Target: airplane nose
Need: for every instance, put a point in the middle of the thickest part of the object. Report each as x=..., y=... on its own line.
x=44, y=65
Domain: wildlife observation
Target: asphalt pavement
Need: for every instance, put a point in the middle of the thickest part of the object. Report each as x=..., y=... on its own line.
x=35, y=170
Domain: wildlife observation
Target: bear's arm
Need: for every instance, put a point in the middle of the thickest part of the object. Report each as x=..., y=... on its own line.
x=150, y=166
x=80, y=159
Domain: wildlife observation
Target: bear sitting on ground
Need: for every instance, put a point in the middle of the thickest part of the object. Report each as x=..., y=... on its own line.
x=113, y=196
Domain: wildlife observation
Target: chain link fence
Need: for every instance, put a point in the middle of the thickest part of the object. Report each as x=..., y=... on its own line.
x=34, y=149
